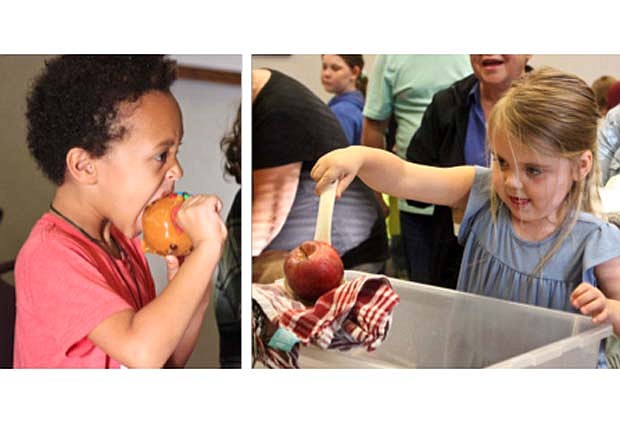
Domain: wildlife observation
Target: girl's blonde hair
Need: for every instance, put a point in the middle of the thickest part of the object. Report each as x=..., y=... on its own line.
x=554, y=113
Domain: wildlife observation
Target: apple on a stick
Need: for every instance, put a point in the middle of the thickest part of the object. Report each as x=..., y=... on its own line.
x=312, y=269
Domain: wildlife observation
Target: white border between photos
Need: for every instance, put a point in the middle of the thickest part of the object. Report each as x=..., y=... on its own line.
x=246, y=213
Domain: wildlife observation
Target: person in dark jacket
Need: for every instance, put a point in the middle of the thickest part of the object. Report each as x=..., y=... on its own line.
x=452, y=133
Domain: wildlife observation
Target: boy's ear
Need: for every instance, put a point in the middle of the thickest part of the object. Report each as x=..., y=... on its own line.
x=583, y=165
x=81, y=166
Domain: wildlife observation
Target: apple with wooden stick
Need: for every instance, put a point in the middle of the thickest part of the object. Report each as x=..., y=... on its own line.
x=312, y=269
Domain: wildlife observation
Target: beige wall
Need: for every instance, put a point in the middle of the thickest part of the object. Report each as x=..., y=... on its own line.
x=305, y=68
x=588, y=67
x=24, y=193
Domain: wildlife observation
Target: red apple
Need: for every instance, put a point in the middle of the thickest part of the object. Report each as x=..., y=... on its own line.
x=312, y=269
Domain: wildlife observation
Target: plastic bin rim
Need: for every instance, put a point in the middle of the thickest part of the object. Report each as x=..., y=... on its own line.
x=555, y=349
x=449, y=292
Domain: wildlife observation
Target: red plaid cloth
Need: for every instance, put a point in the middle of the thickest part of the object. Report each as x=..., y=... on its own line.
x=358, y=313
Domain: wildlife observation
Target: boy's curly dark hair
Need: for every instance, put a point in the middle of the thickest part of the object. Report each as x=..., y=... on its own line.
x=231, y=145
x=75, y=103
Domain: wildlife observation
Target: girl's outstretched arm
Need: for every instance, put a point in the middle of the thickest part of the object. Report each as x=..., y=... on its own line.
x=386, y=172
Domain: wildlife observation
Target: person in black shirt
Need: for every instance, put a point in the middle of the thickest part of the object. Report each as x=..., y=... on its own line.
x=291, y=129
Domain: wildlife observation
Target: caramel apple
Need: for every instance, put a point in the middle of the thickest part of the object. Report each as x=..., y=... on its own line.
x=160, y=233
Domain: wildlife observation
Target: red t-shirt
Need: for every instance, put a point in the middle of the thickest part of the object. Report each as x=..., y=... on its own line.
x=65, y=286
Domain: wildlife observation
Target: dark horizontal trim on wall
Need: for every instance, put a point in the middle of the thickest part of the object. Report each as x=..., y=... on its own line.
x=210, y=75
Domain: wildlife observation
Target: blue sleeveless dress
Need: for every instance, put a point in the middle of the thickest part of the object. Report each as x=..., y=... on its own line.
x=498, y=264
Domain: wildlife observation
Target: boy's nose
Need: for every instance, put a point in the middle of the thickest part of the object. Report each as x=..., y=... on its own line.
x=175, y=172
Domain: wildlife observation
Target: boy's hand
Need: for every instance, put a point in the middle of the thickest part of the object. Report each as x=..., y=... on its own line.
x=342, y=164
x=591, y=302
x=172, y=265
x=199, y=216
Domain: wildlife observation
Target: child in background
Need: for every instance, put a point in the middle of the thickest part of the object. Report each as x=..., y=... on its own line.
x=342, y=75
x=530, y=228
x=601, y=87
x=106, y=130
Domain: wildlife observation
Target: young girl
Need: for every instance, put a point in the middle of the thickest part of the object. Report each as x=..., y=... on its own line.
x=530, y=231
x=106, y=130
x=342, y=75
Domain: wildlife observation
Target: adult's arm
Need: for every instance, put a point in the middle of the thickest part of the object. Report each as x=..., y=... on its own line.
x=379, y=105
x=373, y=136
x=373, y=132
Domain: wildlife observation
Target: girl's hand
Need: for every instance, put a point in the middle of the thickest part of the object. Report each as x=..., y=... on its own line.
x=342, y=164
x=591, y=302
x=199, y=216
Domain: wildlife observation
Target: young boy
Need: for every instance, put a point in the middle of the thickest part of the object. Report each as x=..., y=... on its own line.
x=106, y=130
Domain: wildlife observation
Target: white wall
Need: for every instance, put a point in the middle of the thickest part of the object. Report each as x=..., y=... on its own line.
x=24, y=193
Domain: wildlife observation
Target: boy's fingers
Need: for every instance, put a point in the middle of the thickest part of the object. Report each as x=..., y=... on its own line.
x=218, y=204
x=198, y=199
x=172, y=266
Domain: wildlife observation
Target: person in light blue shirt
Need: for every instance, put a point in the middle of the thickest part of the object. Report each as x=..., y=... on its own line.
x=399, y=90
x=531, y=230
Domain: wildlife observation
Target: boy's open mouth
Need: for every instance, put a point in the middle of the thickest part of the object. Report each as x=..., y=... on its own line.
x=153, y=198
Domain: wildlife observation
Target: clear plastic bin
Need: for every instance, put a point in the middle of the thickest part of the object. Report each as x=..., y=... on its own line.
x=439, y=328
